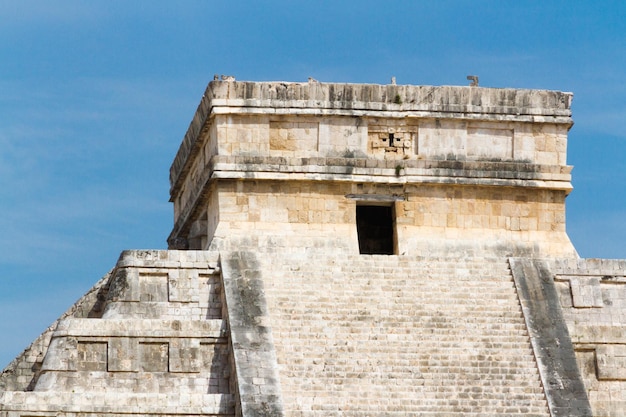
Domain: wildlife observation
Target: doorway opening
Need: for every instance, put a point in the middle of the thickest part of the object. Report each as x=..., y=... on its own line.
x=375, y=229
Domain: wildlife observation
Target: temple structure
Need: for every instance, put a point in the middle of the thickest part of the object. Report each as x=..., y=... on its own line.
x=349, y=250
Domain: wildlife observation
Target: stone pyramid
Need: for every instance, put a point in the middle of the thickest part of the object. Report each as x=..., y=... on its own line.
x=349, y=250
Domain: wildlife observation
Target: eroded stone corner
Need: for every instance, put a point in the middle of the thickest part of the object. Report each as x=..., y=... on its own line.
x=253, y=350
x=551, y=342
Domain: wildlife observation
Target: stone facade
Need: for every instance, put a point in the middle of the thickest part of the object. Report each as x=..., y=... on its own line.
x=446, y=158
x=349, y=250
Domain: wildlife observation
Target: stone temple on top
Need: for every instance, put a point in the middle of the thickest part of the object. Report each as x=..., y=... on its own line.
x=349, y=250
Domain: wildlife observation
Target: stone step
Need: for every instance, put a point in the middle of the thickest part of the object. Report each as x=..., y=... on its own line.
x=392, y=412
x=452, y=403
x=427, y=411
x=484, y=375
x=392, y=300
x=411, y=349
x=380, y=282
x=388, y=297
x=439, y=393
x=403, y=259
x=427, y=331
x=377, y=286
x=399, y=271
x=448, y=335
x=409, y=261
x=499, y=284
x=335, y=355
x=408, y=272
x=416, y=334
x=372, y=284
x=434, y=389
x=425, y=314
x=412, y=364
x=362, y=263
x=520, y=383
x=409, y=362
x=413, y=275
x=444, y=395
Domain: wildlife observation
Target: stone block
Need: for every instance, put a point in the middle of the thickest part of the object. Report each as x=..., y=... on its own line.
x=153, y=287
x=586, y=292
x=92, y=356
x=154, y=356
x=185, y=355
x=611, y=362
x=62, y=355
x=122, y=355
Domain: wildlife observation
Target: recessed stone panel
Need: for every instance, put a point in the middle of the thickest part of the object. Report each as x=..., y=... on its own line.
x=210, y=301
x=293, y=136
x=611, y=362
x=122, y=354
x=216, y=360
x=153, y=287
x=154, y=356
x=586, y=292
x=185, y=355
x=489, y=143
x=92, y=356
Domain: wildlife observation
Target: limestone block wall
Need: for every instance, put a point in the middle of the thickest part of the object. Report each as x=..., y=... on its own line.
x=164, y=293
x=395, y=139
x=544, y=144
x=387, y=138
x=427, y=218
x=240, y=135
x=335, y=132
x=148, y=356
x=592, y=294
x=483, y=218
x=298, y=218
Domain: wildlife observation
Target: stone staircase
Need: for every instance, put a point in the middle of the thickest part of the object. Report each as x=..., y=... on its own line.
x=365, y=335
x=393, y=335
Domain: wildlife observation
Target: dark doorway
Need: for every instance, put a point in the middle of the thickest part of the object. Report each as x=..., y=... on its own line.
x=374, y=226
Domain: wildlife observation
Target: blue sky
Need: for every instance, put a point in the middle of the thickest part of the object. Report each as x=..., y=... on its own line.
x=95, y=97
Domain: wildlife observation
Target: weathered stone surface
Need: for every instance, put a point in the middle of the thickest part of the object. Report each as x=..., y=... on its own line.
x=378, y=335
x=277, y=188
x=593, y=300
x=550, y=337
x=22, y=373
x=253, y=350
x=438, y=137
x=170, y=357
x=319, y=99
